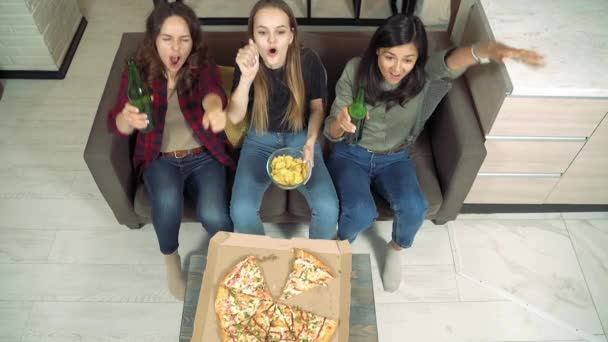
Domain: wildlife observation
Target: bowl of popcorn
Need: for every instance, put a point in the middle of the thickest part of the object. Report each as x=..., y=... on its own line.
x=287, y=168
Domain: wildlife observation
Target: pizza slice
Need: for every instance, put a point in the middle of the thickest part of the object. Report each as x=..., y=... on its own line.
x=234, y=309
x=247, y=277
x=308, y=272
x=318, y=329
x=309, y=327
x=260, y=323
x=254, y=330
x=280, y=330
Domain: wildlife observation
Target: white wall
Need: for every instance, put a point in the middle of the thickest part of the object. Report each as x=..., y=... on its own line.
x=35, y=34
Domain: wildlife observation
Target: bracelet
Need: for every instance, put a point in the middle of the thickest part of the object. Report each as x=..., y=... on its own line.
x=478, y=59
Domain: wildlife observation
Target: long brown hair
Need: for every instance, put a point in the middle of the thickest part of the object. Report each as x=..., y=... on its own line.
x=147, y=58
x=293, y=76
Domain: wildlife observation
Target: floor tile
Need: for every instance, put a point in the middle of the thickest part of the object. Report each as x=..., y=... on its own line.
x=30, y=111
x=41, y=183
x=97, y=47
x=63, y=157
x=431, y=245
x=25, y=246
x=239, y=9
x=434, y=12
x=208, y=8
x=71, y=86
x=333, y=9
x=135, y=11
x=511, y=216
x=590, y=240
x=56, y=214
x=84, y=187
x=586, y=216
x=84, y=283
x=532, y=261
x=372, y=9
x=471, y=290
x=60, y=133
x=94, y=322
x=419, y=284
x=123, y=246
x=487, y=321
x=286, y=230
x=115, y=247
x=13, y=319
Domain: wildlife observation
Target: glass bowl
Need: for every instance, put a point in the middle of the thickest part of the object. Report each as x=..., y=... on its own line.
x=287, y=151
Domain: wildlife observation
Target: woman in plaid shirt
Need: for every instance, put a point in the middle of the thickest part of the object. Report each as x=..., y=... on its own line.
x=185, y=152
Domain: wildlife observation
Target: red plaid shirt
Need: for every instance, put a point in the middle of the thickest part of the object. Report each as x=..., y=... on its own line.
x=147, y=146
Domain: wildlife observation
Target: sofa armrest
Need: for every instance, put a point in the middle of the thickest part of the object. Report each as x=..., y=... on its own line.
x=108, y=159
x=458, y=148
x=108, y=156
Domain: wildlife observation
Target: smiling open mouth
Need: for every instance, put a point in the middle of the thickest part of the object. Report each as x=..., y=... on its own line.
x=174, y=60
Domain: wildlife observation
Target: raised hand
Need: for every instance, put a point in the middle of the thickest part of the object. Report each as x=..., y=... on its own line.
x=215, y=119
x=309, y=154
x=500, y=52
x=133, y=117
x=248, y=60
x=345, y=123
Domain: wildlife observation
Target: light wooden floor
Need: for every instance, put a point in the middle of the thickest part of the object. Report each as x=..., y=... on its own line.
x=69, y=272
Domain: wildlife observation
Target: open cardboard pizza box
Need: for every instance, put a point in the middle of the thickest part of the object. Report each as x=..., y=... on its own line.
x=276, y=258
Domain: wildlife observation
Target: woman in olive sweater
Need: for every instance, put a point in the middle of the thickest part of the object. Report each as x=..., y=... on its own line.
x=395, y=72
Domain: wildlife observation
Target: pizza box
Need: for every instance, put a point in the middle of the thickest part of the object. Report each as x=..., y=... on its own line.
x=276, y=258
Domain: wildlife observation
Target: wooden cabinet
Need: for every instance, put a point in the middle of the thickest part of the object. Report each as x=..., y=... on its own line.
x=548, y=116
x=530, y=156
x=546, y=135
x=586, y=180
x=511, y=188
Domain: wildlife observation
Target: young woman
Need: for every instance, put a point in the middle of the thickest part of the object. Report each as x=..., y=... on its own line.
x=395, y=73
x=184, y=153
x=283, y=89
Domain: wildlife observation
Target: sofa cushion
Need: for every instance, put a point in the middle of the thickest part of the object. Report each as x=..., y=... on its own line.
x=273, y=205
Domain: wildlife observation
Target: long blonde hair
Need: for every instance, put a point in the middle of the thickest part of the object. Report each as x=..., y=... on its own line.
x=293, y=75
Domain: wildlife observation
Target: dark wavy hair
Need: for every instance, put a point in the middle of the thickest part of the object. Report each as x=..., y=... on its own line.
x=396, y=30
x=147, y=58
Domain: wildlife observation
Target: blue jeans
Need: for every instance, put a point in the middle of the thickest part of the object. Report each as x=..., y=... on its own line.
x=200, y=177
x=356, y=171
x=252, y=181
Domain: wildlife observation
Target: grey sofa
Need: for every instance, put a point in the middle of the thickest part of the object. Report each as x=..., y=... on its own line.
x=448, y=153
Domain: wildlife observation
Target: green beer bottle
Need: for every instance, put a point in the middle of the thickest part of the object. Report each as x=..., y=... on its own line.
x=357, y=112
x=139, y=96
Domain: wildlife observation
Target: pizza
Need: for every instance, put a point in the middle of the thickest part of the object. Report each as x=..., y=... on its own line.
x=234, y=308
x=307, y=326
x=254, y=329
x=280, y=330
x=247, y=277
x=308, y=272
x=246, y=311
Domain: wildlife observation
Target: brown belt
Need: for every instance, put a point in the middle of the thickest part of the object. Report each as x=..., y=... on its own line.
x=184, y=153
x=391, y=151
